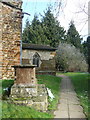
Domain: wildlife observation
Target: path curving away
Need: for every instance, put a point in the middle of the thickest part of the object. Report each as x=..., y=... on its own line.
x=69, y=106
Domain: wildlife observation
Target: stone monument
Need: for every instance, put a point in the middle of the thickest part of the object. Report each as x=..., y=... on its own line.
x=25, y=84
x=26, y=91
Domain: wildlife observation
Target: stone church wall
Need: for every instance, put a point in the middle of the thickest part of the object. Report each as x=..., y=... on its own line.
x=47, y=61
x=10, y=36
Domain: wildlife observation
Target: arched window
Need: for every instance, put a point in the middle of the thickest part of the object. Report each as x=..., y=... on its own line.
x=36, y=59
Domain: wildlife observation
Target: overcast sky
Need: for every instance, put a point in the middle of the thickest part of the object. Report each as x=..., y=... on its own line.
x=72, y=11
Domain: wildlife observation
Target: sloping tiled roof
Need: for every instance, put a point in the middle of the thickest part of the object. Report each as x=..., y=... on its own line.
x=37, y=47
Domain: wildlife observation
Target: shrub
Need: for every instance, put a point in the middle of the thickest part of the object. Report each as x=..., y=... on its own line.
x=69, y=58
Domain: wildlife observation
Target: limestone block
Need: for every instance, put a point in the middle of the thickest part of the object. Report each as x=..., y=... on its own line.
x=18, y=91
x=23, y=95
x=41, y=106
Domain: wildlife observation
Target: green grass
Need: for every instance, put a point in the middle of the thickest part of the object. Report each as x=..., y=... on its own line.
x=0, y=87
x=16, y=111
x=5, y=84
x=53, y=83
x=80, y=82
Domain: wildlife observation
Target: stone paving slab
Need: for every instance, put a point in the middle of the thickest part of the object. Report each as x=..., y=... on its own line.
x=77, y=115
x=76, y=108
x=68, y=95
x=67, y=101
x=73, y=98
x=69, y=119
x=74, y=102
x=63, y=107
x=69, y=104
x=72, y=93
x=64, y=101
x=61, y=114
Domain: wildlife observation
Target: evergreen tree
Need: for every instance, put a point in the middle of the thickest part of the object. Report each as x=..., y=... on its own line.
x=48, y=31
x=36, y=26
x=88, y=47
x=35, y=21
x=38, y=36
x=52, y=29
x=73, y=36
x=26, y=32
x=85, y=49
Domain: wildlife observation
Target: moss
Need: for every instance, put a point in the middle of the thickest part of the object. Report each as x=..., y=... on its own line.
x=21, y=99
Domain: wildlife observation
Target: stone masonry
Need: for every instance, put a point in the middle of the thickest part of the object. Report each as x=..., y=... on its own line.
x=10, y=36
x=26, y=91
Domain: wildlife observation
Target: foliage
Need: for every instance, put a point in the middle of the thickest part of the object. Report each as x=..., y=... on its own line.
x=5, y=84
x=80, y=81
x=88, y=47
x=29, y=34
x=53, y=31
x=45, y=31
x=73, y=36
x=0, y=87
x=68, y=58
x=85, y=48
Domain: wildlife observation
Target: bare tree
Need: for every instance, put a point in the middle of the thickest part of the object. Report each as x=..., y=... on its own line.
x=59, y=6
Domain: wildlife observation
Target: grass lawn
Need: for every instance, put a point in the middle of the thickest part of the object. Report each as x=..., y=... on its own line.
x=16, y=111
x=53, y=83
x=0, y=87
x=80, y=82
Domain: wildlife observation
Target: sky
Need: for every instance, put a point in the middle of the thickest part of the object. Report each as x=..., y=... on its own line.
x=70, y=10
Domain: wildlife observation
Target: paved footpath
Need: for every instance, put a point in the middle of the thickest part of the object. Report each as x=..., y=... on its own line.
x=69, y=105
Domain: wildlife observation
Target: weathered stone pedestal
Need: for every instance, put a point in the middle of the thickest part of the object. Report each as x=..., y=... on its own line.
x=26, y=91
